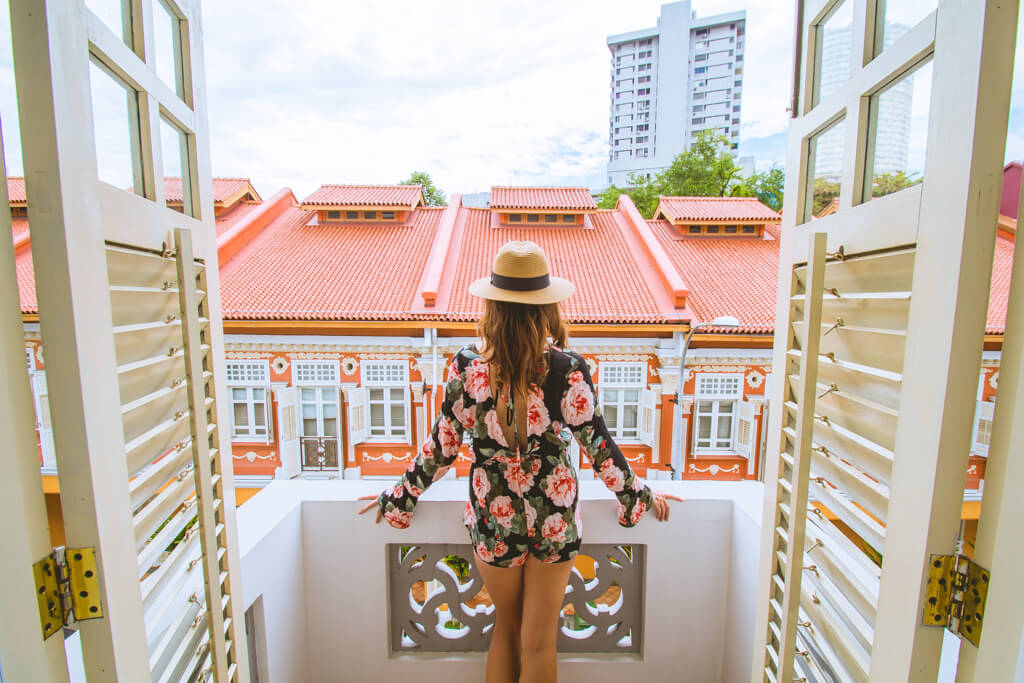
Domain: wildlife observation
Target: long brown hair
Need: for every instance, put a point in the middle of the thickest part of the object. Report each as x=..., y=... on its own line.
x=515, y=338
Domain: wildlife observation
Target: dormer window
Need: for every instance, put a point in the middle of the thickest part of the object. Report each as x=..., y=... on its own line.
x=552, y=207
x=723, y=217
x=387, y=204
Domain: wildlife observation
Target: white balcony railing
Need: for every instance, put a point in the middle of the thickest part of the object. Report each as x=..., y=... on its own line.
x=318, y=591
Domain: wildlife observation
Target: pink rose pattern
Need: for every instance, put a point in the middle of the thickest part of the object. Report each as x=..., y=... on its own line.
x=521, y=503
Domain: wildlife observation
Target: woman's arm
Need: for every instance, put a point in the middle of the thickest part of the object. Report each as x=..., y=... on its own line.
x=434, y=457
x=582, y=415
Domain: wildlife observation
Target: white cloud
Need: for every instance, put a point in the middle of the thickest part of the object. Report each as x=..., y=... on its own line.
x=476, y=93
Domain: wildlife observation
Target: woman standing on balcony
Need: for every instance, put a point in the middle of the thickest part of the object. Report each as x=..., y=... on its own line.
x=519, y=395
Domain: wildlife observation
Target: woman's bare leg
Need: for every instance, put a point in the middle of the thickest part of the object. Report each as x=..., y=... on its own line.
x=505, y=587
x=543, y=595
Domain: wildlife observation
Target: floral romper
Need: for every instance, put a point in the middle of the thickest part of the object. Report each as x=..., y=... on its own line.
x=521, y=503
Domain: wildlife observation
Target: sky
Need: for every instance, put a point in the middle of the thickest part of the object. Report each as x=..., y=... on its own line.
x=474, y=93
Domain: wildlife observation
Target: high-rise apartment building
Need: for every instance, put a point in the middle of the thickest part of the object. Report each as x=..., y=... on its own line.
x=668, y=83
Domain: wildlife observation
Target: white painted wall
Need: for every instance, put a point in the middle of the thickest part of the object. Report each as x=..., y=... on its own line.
x=321, y=572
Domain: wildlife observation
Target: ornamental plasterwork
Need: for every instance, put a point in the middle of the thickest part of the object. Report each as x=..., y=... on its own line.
x=622, y=356
x=714, y=469
x=715, y=368
x=279, y=365
x=755, y=378
x=253, y=456
x=39, y=354
x=349, y=365
x=295, y=349
x=247, y=355
x=592, y=366
x=758, y=404
x=993, y=381
x=384, y=356
x=608, y=352
x=387, y=456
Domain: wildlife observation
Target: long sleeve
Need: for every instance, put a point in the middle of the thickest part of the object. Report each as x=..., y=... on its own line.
x=582, y=414
x=438, y=451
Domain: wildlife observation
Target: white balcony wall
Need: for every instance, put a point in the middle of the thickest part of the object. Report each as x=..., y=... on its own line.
x=320, y=572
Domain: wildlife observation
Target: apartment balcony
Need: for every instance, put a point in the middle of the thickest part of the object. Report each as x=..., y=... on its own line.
x=330, y=596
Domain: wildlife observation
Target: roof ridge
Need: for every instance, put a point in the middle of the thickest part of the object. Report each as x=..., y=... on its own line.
x=372, y=185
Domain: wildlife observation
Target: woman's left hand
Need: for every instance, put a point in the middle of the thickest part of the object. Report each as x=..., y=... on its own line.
x=370, y=505
x=661, y=509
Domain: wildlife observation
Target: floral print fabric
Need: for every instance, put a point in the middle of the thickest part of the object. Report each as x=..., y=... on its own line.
x=521, y=502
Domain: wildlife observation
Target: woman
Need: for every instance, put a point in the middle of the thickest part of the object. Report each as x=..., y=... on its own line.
x=521, y=397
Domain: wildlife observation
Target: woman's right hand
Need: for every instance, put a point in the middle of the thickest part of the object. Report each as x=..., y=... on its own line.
x=661, y=508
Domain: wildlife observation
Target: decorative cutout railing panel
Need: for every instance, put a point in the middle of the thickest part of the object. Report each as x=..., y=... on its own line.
x=438, y=602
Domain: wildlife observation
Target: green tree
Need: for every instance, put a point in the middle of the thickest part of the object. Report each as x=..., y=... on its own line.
x=644, y=193
x=768, y=186
x=887, y=183
x=432, y=196
x=706, y=169
x=825, y=191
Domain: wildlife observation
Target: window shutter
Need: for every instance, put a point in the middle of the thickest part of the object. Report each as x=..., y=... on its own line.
x=358, y=415
x=288, y=428
x=647, y=408
x=406, y=403
x=982, y=427
x=744, y=441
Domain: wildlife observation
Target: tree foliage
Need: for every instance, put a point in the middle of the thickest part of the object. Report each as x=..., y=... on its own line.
x=432, y=195
x=887, y=183
x=706, y=169
x=825, y=191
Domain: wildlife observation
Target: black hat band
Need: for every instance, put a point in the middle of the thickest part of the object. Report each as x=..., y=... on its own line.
x=520, y=284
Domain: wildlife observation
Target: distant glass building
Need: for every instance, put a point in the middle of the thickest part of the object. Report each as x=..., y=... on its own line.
x=668, y=83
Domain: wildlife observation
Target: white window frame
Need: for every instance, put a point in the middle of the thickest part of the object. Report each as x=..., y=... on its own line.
x=705, y=390
x=249, y=375
x=30, y=359
x=315, y=372
x=385, y=375
x=612, y=376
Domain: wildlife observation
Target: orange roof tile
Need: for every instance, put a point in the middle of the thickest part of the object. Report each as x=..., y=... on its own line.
x=1002, y=267
x=365, y=195
x=610, y=287
x=236, y=213
x=26, y=281
x=16, y=190
x=551, y=198
x=715, y=209
x=297, y=271
x=223, y=188
x=19, y=228
x=727, y=276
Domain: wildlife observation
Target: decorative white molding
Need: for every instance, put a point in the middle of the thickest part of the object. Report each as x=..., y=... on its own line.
x=349, y=365
x=279, y=364
x=252, y=481
x=714, y=469
x=388, y=456
x=253, y=456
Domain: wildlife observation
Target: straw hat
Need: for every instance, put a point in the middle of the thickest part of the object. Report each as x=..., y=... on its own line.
x=521, y=274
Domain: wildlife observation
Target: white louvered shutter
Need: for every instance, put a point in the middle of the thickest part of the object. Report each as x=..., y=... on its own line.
x=982, y=436
x=648, y=401
x=129, y=300
x=288, y=430
x=358, y=409
x=878, y=338
x=744, y=441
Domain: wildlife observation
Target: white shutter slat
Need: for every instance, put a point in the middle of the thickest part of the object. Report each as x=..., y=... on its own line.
x=358, y=413
x=648, y=401
x=288, y=429
x=982, y=433
x=744, y=428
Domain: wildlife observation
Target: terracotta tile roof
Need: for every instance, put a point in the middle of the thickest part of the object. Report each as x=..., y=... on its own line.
x=26, y=281
x=609, y=285
x=223, y=188
x=233, y=215
x=364, y=195
x=727, y=276
x=19, y=227
x=295, y=271
x=553, y=198
x=715, y=209
x=1002, y=266
x=16, y=190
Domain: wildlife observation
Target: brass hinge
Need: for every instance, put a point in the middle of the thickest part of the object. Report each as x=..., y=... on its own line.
x=67, y=588
x=955, y=597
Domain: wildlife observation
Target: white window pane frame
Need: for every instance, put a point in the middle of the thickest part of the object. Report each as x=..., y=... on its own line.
x=716, y=402
x=315, y=372
x=322, y=396
x=253, y=378
x=620, y=386
x=389, y=397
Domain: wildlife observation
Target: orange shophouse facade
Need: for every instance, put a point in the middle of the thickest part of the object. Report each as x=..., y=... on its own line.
x=341, y=311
